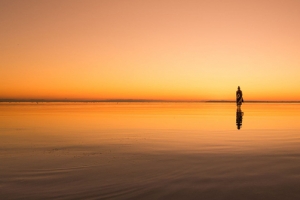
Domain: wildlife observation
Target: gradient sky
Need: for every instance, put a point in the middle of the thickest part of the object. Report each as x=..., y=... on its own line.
x=150, y=49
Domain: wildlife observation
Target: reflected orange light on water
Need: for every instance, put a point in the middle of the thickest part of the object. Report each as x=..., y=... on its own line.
x=180, y=126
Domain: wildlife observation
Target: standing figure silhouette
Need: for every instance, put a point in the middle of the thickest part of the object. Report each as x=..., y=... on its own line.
x=239, y=97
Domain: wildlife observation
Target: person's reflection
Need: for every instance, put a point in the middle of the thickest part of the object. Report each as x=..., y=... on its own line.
x=239, y=117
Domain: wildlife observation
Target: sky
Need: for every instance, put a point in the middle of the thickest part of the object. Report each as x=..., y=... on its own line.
x=150, y=49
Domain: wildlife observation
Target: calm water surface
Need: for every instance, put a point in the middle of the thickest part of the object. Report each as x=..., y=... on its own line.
x=149, y=151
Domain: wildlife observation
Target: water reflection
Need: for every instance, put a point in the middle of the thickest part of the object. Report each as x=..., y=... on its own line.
x=239, y=117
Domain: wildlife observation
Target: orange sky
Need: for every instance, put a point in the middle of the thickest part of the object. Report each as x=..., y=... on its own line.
x=150, y=49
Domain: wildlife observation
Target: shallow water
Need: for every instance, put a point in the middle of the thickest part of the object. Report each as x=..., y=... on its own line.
x=149, y=151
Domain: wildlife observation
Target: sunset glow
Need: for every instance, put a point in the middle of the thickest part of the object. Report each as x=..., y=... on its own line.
x=169, y=50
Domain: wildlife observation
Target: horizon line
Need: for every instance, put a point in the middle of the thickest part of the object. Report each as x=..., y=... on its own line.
x=40, y=100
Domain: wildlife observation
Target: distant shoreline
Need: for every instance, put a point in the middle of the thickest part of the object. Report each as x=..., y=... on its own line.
x=129, y=101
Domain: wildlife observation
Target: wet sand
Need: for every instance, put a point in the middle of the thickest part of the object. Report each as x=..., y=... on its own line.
x=149, y=151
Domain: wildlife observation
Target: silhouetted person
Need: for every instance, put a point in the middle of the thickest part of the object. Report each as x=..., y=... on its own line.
x=239, y=97
x=239, y=117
